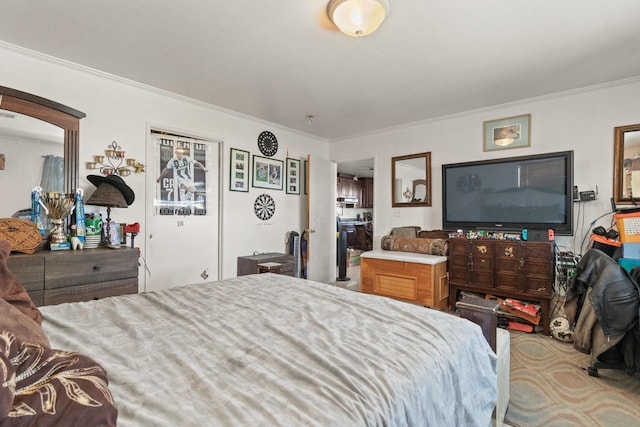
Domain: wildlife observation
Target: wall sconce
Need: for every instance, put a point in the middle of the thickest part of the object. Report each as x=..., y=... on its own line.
x=114, y=163
x=357, y=18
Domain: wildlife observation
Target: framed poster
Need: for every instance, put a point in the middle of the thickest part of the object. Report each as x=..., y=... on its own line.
x=182, y=185
x=267, y=173
x=293, y=176
x=239, y=170
x=510, y=132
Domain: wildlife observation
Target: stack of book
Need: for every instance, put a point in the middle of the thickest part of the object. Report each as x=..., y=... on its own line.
x=523, y=310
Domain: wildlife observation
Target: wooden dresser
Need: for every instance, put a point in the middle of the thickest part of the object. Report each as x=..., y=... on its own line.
x=504, y=268
x=70, y=276
x=406, y=276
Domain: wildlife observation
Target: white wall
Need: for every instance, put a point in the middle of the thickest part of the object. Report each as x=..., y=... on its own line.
x=118, y=110
x=582, y=121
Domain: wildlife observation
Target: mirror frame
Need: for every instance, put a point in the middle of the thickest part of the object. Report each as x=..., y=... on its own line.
x=618, y=165
x=57, y=114
x=427, y=178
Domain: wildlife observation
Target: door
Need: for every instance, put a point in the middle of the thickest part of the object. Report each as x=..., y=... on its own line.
x=321, y=220
x=183, y=207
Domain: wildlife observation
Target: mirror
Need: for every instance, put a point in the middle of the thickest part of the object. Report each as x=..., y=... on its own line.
x=626, y=166
x=411, y=180
x=27, y=145
x=45, y=122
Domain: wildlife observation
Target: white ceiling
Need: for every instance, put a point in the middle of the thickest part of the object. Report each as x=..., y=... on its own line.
x=281, y=60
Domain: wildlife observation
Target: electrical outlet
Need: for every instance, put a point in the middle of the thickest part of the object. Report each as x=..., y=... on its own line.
x=397, y=213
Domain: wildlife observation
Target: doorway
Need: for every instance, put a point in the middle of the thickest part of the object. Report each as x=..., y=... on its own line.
x=355, y=182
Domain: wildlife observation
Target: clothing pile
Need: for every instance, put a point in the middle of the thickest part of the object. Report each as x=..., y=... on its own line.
x=603, y=305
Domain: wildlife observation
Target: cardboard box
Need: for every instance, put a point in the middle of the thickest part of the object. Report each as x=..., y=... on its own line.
x=353, y=257
x=631, y=250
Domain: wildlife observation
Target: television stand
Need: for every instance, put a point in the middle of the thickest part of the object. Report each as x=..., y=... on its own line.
x=503, y=268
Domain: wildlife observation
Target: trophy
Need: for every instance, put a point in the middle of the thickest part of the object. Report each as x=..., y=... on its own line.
x=58, y=206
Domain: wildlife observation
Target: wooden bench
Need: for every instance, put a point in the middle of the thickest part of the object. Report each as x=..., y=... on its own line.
x=406, y=276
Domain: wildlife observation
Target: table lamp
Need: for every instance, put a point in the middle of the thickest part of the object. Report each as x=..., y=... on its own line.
x=109, y=196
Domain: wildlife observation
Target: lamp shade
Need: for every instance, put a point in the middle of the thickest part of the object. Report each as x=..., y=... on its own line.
x=357, y=18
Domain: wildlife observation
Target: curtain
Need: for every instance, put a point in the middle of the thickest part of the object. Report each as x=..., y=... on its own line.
x=52, y=174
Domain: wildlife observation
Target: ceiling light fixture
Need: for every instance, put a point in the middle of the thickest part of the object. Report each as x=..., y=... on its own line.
x=357, y=18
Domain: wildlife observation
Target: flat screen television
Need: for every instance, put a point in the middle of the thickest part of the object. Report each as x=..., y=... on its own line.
x=510, y=194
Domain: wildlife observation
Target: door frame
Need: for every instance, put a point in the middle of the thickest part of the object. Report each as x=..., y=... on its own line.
x=149, y=191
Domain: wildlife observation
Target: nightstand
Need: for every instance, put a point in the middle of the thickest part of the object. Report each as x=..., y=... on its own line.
x=250, y=264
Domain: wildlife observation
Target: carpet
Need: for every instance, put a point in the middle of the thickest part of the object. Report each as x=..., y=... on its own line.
x=549, y=386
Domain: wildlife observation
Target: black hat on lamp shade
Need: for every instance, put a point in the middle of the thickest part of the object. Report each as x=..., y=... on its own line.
x=118, y=183
x=110, y=196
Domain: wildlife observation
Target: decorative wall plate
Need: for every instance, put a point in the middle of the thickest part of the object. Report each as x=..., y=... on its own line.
x=264, y=207
x=267, y=143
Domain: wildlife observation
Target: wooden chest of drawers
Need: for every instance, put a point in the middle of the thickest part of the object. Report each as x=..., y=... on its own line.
x=70, y=276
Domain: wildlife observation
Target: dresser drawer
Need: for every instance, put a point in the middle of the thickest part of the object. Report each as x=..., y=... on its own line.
x=29, y=271
x=37, y=297
x=85, y=267
x=91, y=291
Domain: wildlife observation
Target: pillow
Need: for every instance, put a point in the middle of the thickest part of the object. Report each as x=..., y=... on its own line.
x=12, y=291
x=409, y=231
x=55, y=387
x=421, y=246
x=14, y=321
x=7, y=383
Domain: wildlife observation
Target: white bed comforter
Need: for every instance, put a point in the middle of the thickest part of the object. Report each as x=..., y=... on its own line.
x=269, y=350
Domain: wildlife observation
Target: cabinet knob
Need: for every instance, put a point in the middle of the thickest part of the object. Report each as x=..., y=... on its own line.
x=96, y=267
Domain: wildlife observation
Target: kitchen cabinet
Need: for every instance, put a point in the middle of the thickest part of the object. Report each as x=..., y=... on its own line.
x=366, y=189
x=350, y=229
x=359, y=234
x=349, y=188
x=362, y=189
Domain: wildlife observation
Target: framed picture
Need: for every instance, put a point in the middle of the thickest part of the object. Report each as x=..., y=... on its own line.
x=267, y=173
x=293, y=176
x=510, y=132
x=239, y=170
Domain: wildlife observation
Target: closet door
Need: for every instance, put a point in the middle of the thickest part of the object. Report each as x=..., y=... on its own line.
x=182, y=210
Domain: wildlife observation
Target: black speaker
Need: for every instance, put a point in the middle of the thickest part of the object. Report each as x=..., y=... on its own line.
x=342, y=257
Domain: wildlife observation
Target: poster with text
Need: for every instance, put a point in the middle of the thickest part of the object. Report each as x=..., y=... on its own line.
x=182, y=182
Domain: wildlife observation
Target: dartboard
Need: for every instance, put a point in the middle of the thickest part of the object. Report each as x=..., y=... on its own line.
x=267, y=143
x=264, y=207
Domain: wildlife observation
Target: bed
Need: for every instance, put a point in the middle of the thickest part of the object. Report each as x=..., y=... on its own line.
x=273, y=350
